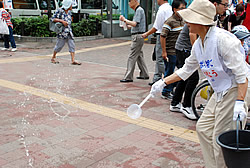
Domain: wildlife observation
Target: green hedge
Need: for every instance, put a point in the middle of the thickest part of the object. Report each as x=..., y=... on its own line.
x=39, y=27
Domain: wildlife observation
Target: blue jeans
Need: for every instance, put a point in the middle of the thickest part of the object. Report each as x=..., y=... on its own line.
x=169, y=69
x=9, y=38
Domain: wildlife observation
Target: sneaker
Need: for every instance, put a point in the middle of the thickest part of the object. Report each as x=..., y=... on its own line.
x=167, y=95
x=13, y=49
x=188, y=112
x=5, y=49
x=176, y=108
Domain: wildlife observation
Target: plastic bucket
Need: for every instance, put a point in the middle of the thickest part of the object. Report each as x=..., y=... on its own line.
x=235, y=145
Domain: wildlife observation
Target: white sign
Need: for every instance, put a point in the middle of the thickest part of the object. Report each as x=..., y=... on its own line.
x=8, y=4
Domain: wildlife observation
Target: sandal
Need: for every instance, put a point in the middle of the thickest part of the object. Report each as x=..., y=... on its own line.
x=76, y=63
x=53, y=61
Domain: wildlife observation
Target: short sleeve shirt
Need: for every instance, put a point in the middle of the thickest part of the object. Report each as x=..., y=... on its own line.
x=234, y=21
x=140, y=19
x=61, y=14
x=183, y=41
x=164, y=12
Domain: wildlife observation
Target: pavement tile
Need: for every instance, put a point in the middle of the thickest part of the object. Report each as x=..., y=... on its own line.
x=166, y=163
x=104, y=164
x=46, y=133
x=121, y=142
x=129, y=128
x=134, y=137
x=13, y=155
x=118, y=157
x=19, y=163
x=94, y=143
x=3, y=161
x=66, y=166
x=95, y=133
x=114, y=135
x=81, y=162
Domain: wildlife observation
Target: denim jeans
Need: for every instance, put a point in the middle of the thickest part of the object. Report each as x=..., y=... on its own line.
x=169, y=69
x=9, y=38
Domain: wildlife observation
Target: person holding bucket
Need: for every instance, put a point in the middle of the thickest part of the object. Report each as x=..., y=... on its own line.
x=220, y=56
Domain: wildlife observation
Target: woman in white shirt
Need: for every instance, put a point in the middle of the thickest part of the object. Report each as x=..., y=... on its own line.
x=220, y=57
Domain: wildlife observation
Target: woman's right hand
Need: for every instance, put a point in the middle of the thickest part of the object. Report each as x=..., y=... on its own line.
x=64, y=23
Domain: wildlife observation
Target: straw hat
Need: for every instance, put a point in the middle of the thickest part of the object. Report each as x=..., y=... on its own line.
x=199, y=12
x=66, y=4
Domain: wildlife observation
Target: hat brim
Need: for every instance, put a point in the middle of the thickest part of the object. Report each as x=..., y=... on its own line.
x=240, y=34
x=191, y=16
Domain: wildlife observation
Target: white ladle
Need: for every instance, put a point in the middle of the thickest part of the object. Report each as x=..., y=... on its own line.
x=134, y=110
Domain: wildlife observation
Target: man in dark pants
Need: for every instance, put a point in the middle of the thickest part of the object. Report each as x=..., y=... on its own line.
x=138, y=27
x=183, y=48
x=170, y=32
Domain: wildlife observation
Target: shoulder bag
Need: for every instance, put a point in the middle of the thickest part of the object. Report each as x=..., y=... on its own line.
x=3, y=26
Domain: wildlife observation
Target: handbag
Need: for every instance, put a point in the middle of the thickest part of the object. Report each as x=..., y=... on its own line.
x=55, y=26
x=3, y=26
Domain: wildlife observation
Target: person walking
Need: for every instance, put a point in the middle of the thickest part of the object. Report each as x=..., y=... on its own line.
x=227, y=72
x=170, y=32
x=183, y=47
x=7, y=38
x=164, y=12
x=63, y=15
x=138, y=27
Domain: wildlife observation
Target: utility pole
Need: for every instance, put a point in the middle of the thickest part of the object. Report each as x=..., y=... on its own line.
x=49, y=8
x=109, y=15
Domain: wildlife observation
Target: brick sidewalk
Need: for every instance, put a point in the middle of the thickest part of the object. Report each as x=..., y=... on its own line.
x=69, y=116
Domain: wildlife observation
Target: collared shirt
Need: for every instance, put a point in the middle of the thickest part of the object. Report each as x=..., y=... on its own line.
x=232, y=59
x=61, y=14
x=171, y=30
x=7, y=17
x=139, y=18
x=164, y=12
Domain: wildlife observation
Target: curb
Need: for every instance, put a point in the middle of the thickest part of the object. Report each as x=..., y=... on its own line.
x=53, y=39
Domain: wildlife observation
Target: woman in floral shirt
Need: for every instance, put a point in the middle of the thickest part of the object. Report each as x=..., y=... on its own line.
x=63, y=15
x=7, y=38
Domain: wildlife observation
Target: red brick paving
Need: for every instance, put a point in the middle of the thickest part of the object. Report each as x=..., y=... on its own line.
x=33, y=135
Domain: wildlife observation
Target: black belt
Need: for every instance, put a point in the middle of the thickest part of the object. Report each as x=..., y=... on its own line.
x=158, y=33
x=137, y=33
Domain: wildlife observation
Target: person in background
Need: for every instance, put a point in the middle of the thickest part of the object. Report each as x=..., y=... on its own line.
x=237, y=18
x=242, y=34
x=138, y=27
x=8, y=38
x=227, y=72
x=246, y=22
x=223, y=21
x=170, y=32
x=183, y=47
x=63, y=15
x=221, y=7
x=164, y=12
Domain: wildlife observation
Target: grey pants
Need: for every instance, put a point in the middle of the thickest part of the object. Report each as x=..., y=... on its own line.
x=136, y=55
x=159, y=64
x=61, y=42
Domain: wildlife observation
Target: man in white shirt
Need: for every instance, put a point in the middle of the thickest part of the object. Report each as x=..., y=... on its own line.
x=227, y=72
x=164, y=12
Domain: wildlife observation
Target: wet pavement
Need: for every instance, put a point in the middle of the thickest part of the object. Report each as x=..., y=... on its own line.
x=69, y=116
